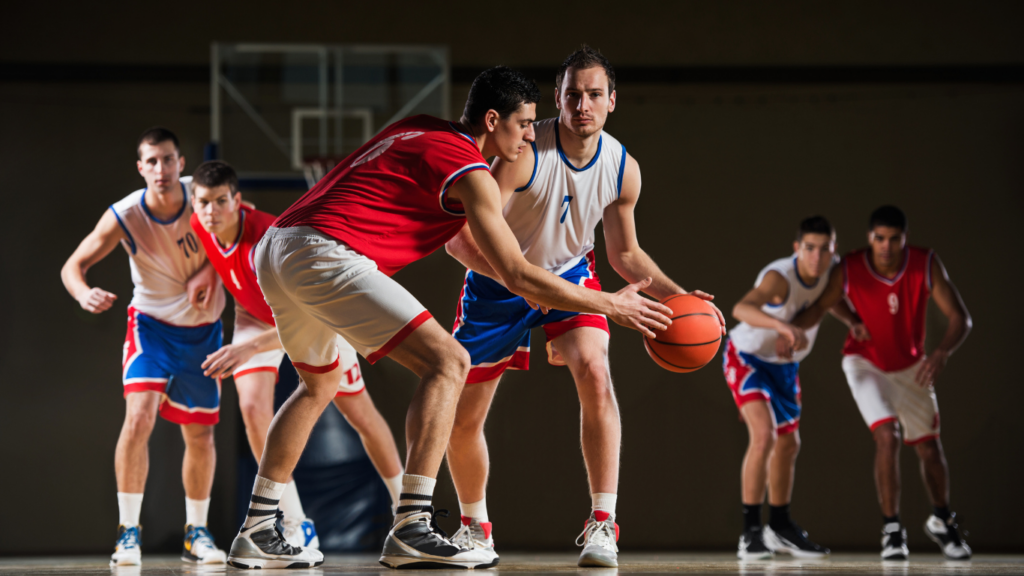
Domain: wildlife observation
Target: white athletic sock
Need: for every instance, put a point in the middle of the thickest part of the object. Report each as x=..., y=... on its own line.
x=475, y=510
x=196, y=511
x=266, y=495
x=417, y=492
x=291, y=505
x=603, y=502
x=129, y=506
x=394, y=485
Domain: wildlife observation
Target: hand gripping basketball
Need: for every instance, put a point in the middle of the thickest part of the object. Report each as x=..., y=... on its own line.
x=634, y=311
x=692, y=340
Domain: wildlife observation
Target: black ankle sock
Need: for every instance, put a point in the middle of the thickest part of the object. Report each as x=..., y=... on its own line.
x=942, y=513
x=778, y=517
x=890, y=519
x=751, y=517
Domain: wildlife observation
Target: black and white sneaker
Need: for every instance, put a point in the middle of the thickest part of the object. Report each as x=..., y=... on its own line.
x=416, y=542
x=947, y=536
x=793, y=541
x=265, y=547
x=894, y=542
x=752, y=546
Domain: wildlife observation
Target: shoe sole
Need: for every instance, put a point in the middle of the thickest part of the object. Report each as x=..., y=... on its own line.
x=269, y=563
x=199, y=562
x=411, y=563
x=942, y=547
x=597, y=562
x=776, y=544
x=755, y=556
x=115, y=563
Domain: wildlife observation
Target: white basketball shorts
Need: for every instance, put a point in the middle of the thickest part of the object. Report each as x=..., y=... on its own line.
x=320, y=289
x=893, y=396
x=248, y=327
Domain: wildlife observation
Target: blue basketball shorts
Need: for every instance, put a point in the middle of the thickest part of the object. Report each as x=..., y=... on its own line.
x=161, y=357
x=750, y=378
x=494, y=324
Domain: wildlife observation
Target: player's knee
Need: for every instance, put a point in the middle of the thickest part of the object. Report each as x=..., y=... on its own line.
x=139, y=422
x=763, y=440
x=787, y=446
x=887, y=438
x=466, y=427
x=322, y=390
x=254, y=411
x=454, y=364
x=929, y=450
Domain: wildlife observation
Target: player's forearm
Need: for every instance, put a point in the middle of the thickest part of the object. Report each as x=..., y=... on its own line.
x=73, y=276
x=469, y=256
x=842, y=312
x=636, y=265
x=810, y=317
x=756, y=317
x=957, y=331
x=544, y=288
x=267, y=341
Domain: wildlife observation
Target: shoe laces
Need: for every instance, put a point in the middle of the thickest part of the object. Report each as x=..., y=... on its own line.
x=464, y=538
x=200, y=537
x=952, y=530
x=129, y=538
x=598, y=534
x=433, y=522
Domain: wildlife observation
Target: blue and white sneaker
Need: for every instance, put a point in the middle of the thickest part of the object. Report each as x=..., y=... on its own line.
x=199, y=547
x=301, y=533
x=128, y=550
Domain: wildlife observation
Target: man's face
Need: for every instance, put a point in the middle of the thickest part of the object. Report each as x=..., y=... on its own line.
x=217, y=207
x=160, y=165
x=584, y=100
x=815, y=251
x=886, y=244
x=514, y=133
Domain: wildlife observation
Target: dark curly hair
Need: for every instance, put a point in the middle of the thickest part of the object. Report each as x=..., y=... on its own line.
x=501, y=89
x=215, y=173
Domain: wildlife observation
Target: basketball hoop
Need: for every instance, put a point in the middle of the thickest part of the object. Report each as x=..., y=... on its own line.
x=317, y=167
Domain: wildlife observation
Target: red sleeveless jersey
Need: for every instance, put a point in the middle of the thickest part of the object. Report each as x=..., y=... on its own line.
x=234, y=263
x=893, y=310
x=387, y=200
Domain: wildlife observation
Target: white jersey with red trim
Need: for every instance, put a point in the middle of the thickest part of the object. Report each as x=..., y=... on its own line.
x=761, y=341
x=164, y=254
x=555, y=214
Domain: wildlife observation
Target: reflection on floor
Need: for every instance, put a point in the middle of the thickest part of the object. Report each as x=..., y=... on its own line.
x=555, y=563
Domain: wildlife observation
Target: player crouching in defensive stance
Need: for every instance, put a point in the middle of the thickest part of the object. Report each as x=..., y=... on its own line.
x=892, y=380
x=575, y=176
x=761, y=360
x=325, y=269
x=173, y=324
x=229, y=232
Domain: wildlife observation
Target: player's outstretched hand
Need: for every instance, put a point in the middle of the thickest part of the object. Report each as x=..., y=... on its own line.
x=223, y=362
x=708, y=298
x=201, y=286
x=931, y=368
x=97, y=300
x=794, y=336
x=634, y=311
x=783, y=349
x=860, y=332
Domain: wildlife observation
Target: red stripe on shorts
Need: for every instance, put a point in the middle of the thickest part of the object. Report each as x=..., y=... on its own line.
x=399, y=337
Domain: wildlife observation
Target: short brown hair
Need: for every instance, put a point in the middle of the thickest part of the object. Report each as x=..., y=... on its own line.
x=215, y=173
x=154, y=136
x=586, y=57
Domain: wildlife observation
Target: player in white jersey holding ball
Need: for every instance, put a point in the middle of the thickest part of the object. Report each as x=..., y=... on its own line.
x=762, y=356
x=173, y=324
x=575, y=176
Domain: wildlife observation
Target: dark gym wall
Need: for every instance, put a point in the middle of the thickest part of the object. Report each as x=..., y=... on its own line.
x=728, y=171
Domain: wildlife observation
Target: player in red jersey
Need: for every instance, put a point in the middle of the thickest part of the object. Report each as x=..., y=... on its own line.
x=325, y=268
x=886, y=288
x=229, y=232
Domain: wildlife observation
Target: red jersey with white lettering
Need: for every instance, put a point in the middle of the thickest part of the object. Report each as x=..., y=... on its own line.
x=893, y=310
x=234, y=263
x=387, y=200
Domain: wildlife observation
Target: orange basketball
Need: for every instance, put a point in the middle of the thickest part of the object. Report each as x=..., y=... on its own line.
x=693, y=338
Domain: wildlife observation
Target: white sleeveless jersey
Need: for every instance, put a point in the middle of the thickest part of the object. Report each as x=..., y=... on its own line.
x=163, y=256
x=555, y=214
x=761, y=341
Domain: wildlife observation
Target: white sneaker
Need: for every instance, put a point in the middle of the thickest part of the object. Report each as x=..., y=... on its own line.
x=894, y=542
x=265, y=547
x=475, y=534
x=946, y=535
x=301, y=533
x=600, y=535
x=128, y=550
x=199, y=547
x=417, y=542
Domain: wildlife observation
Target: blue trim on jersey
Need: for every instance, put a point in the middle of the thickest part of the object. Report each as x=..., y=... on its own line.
x=451, y=180
x=622, y=170
x=536, y=160
x=184, y=197
x=461, y=133
x=131, y=240
x=241, y=232
x=558, y=144
x=796, y=271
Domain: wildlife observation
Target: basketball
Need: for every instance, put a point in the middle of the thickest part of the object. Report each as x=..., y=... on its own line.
x=693, y=338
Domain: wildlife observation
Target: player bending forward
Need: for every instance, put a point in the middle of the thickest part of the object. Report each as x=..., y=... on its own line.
x=892, y=380
x=173, y=324
x=766, y=387
x=575, y=176
x=229, y=232
x=325, y=266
